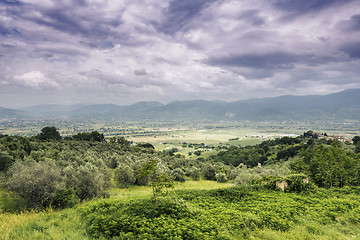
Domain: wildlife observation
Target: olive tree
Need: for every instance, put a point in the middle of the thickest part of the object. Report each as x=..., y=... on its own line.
x=37, y=182
x=88, y=180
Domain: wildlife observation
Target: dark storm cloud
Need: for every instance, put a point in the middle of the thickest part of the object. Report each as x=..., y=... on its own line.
x=275, y=60
x=302, y=7
x=4, y=30
x=352, y=49
x=10, y=2
x=65, y=20
x=57, y=53
x=252, y=17
x=74, y=19
x=180, y=13
x=140, y=72
x=353, y=24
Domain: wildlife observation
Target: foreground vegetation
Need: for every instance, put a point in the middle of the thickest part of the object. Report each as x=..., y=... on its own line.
x=85, y=186
x=245, y=212
x=233, y=213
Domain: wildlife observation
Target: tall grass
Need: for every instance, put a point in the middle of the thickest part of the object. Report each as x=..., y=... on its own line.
x=48, y=224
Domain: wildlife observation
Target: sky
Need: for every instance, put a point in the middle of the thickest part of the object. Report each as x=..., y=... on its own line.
x=126, y=51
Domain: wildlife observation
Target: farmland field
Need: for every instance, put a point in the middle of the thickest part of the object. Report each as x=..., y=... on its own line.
x=169, y=135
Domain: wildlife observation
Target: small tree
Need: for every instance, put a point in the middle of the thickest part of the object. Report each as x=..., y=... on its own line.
x=160, y=181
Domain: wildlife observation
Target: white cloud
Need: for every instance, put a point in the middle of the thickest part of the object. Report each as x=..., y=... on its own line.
x=35, y=79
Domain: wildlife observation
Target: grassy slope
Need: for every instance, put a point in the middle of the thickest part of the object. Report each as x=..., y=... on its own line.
x=67, y=223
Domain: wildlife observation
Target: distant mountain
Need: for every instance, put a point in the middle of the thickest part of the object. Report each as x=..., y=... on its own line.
x=343, y=105
x=48, y=108
x=6, y=113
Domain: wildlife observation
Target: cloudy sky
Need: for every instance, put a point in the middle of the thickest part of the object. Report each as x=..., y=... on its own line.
x=125, y=51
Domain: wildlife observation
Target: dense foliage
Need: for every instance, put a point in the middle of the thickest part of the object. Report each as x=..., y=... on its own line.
x=223, y=214
x=329, y=165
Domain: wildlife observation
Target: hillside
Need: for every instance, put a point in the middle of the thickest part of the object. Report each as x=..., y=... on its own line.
x=6, y=113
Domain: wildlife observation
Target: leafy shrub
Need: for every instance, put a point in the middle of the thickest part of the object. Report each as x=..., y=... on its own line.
x=245, y=177
x=268, y=182
x=297, y=183
x=194, y=173
x=178, y=175
x=231, y=213
x=124, y=175
x=65, y=198
x=208, y=171
x=221, y=177
x=5, y=161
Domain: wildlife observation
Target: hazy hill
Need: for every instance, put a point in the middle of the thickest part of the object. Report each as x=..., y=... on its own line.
x=6, y=113
x=338, y=106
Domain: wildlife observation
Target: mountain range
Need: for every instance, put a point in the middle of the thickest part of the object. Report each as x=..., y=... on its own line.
x=343, y=105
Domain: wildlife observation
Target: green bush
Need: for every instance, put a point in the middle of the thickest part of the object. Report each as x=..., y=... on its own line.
x=5, y=161
x=124, y=175
x=194, y=173
x=221, y=177
x=297, y=183
x=65, y=198
x=178, y=174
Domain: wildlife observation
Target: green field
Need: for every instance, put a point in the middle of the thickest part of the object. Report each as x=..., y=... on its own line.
x=249, y=133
